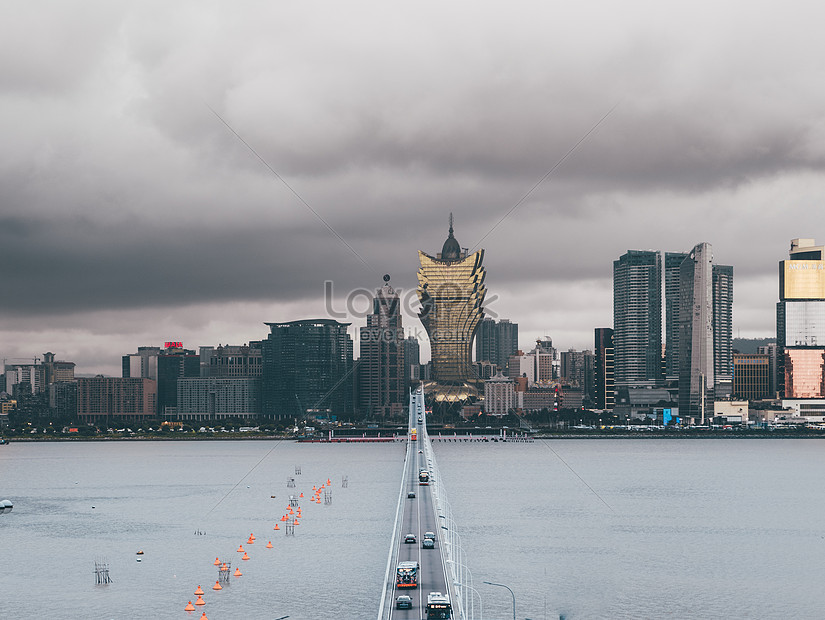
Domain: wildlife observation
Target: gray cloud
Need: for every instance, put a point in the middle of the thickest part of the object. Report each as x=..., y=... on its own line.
x=120, y=192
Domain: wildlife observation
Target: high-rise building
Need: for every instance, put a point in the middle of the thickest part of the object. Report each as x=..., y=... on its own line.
x=800, y=324
x=770, y=350
x=696, y=367
x=496, y=341
x=173, y=363
x=672, y=266
x=231, y=361
x=412, y=360
x=723, y=329
x=637, y=318
x=215, y=398
x=56, y=371
x=451, y=291
x=307, y=369
x=603, y=384
x=99, y=398
x=751, y=376
x=383, y=386
x=141, y=365
x=651, y=320
x=499, y=395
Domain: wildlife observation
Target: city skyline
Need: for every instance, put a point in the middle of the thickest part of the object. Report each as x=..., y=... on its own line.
x=132, y=215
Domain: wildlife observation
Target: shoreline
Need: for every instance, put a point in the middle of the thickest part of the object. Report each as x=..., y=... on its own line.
x=491, y=438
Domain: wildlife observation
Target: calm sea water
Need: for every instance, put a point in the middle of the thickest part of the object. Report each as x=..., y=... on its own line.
x=578, y=528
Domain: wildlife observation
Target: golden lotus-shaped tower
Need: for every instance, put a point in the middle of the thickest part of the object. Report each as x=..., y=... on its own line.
x=451, y=291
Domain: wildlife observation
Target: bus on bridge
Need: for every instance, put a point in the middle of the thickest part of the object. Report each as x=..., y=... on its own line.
x=438, y=606
x=406, y=575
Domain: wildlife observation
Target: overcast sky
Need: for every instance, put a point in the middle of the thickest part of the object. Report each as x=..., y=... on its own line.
x=131, y=215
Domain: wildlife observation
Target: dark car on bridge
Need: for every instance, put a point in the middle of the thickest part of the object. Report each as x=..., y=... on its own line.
x=409, y=538
x=428, y=543
x=403, y=602
x=411, y=494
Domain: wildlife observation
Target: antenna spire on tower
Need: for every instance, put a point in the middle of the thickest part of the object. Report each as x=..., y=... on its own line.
x=451, y=222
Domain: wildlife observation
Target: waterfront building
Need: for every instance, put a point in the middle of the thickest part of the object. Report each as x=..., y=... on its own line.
x=637, y=318
x=577, y=369
x=496, y=341
x=63, y=399
x=499, y=395
x=603, y=379
x=35, y=378
x=451, y=291
x=216, y=398
x=672, y=262
x=771, y=350
x=696, y=364
x=800, y=326
x=231, y=361
x=722, y=320
x=382, y=390
x=751, y=376
x=100, y=398
x=173, y=363
x=650, y=320
x=307, y=369
x=541, y=398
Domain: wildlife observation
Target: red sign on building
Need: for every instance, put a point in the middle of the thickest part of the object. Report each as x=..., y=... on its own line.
x=173, y=345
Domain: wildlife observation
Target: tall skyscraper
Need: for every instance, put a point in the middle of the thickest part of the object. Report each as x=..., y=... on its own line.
x=496, y=341
x=800, y=325
x=696, y=364
x=451, y=291
x=637, y=318
x=672, y=266
x=307, y=369
x=723, y=329
x=383, y=386
x=412, y=360
x=603, y=381
x=651, y=320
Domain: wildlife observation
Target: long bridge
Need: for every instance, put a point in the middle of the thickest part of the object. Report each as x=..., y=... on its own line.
x=422, y=509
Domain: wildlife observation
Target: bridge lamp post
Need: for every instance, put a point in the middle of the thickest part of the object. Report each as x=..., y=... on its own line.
x=501, y=585
x=464, y=596
x=480, y=602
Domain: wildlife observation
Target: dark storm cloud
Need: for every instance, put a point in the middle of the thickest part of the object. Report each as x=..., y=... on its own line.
x=121, y=191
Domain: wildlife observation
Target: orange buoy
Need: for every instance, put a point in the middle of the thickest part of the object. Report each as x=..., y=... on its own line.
x=189, y=607
x=200, y=601
x=276, y=527
x=302, y=494
x=297, y=522
x=238, y=572
x=240, y=548
x=203, y=616
x=252, y=536
x=328, y=481
x=269, y=545
x=217, y=561
x=245, y=556
x=217, y=586
x=250, y=542
x=199, y=591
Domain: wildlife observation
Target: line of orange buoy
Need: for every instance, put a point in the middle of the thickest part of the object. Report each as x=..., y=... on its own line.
x=292, y=515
